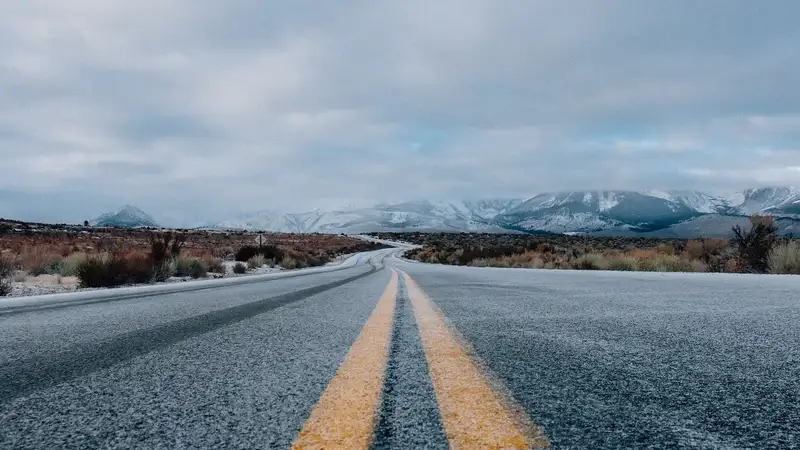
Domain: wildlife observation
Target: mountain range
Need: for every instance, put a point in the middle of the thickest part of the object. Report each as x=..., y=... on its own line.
x=654, y=213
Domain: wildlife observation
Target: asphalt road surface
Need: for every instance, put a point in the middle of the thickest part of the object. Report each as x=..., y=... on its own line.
x=384, y=353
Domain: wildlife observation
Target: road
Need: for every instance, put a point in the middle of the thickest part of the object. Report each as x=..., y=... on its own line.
x=385, y=353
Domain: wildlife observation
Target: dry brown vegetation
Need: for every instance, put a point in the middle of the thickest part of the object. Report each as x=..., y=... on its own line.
x=111, y=257
x=754, y=250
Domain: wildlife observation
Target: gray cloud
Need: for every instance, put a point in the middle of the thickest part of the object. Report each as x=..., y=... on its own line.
x=197, y=111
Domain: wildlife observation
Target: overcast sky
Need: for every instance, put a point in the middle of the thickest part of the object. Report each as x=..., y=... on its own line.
x=198, y=110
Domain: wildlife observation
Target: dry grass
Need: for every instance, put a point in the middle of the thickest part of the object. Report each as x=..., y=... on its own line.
x=785, y=258
x=104, y=255
x=624, y=264
x=37, y=251
x=7, y=269
x=581, y=253
x=256, y=262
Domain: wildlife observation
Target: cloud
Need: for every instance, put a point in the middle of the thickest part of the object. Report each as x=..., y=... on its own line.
x=198, y=111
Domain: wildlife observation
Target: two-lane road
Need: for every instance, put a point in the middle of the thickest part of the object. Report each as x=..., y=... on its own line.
x=385, y=353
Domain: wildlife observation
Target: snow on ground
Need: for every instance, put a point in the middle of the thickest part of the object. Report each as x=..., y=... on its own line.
x=24, y=286
x=264, y=269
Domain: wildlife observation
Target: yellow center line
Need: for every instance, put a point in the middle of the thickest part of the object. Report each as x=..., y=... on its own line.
x=474, y=415
x=344, y=417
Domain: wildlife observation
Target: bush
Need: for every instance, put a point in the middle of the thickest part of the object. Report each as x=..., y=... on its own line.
x=245, y=253
x=666, y=263
x=289, y=263
x=165, y=246
x=51, y=267
x=268, y=252
x=239, y=268
x=162, y=272
x=197, y=269
x=181, y=267
x=755, y=244
x=66, y=267
x=215, y=265
x=591, y=261
x=785, y=258
x=36, y=271
x=98, y=272
x=271, y=252
x=623, y=264
x=256, y=262
x=105, y=271
x=139, y=270
x=7, y=269
x=710, y=252
x=698, y=266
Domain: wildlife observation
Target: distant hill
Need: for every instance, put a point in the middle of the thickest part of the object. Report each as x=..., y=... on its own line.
x=126, y=217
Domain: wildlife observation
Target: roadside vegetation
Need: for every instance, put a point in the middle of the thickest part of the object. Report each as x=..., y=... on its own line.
x=6, y=271
x=753, y=249
x=98, y=258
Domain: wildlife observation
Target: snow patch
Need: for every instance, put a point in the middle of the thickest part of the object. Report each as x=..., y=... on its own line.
x=608, y=201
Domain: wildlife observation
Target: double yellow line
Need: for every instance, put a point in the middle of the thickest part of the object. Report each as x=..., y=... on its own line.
x=475, y=415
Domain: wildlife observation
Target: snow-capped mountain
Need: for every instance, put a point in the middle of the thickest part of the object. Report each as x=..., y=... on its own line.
x=628, y=212
x=127, y=216
x=475, y=215
x=775, y=200
x=646, y=211
x=698, y=201
x=589, y=211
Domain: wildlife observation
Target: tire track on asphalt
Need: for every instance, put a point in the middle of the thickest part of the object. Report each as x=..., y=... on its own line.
x=27, y=376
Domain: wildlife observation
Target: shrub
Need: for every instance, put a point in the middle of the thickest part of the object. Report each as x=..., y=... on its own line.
x=36, y=271
x=268, y=252
x=162, y=272
x=182, y=267
x=239, y=268
x=7, y=269
x=197, y=269
x=698, y=266
x=69, y=266
x=591, y=261
x=214, y=265
x=480, y=262
x=624, y=264
x=694, y=249
x=111, y=271
x=139, y=270
x=271, y=252
x=165, y=246
x=98, y=272
x=755, y=244
x=256, y=262
x=785, y=258
x=667, y=263
x=289, y=263
x=711, y=252
x=245, y=253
